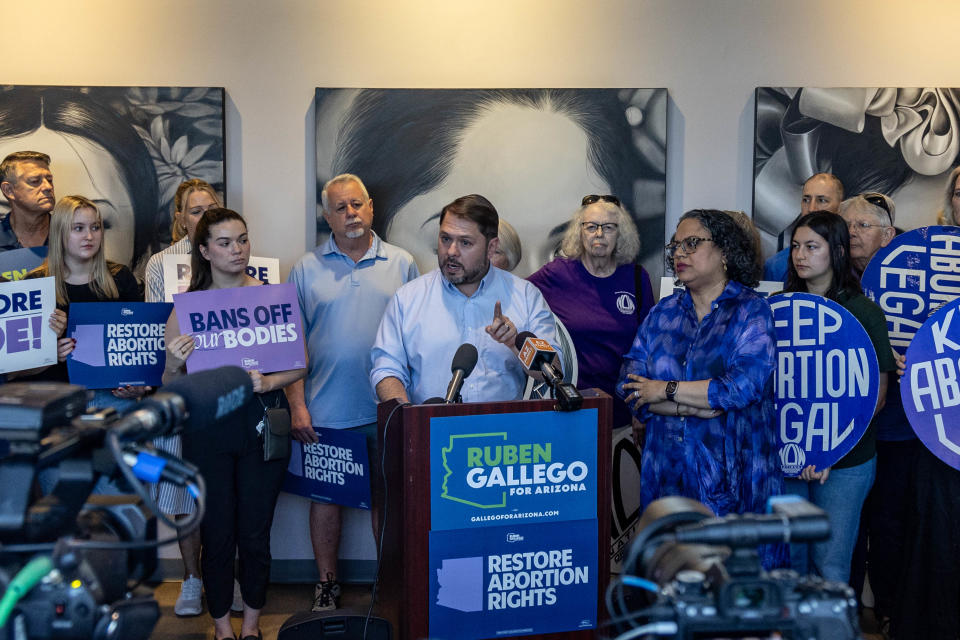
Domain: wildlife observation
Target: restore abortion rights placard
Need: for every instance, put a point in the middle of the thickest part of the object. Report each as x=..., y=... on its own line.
x=117, y=343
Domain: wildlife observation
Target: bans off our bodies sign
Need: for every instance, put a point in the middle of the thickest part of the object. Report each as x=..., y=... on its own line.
x=827, y=380
x=249, y=327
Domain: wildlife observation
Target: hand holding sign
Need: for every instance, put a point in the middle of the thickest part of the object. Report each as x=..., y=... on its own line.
x=301, y=425
x=178, y=350
x=58, y=322
x=501, y=329
x=65, y=347
x=810, y=474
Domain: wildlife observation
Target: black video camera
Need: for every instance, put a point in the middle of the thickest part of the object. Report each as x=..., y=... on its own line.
x=692, y=576
x=71, y=562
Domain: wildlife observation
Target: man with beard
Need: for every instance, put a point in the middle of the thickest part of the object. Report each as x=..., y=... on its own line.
x=465, y=300
x=27, y=184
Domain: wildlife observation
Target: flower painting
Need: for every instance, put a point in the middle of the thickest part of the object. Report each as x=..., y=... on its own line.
x=127, y=148
x=898, y=141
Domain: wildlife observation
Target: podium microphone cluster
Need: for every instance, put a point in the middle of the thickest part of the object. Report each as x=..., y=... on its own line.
x=536, y=354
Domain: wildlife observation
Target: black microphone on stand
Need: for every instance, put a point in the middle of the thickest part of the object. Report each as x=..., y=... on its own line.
x=464, y=360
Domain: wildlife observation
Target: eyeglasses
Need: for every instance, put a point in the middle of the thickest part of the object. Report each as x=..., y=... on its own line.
x=689, y=245
x=877, y=200
x=606, y=227
x=860, y=225
x=595, y=198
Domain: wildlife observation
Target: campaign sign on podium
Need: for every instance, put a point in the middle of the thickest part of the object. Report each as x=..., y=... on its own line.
x=513, y=580
x=918, y=272
x=118, y=343
x=827, y=380
x=492, y=470
x=930, y=389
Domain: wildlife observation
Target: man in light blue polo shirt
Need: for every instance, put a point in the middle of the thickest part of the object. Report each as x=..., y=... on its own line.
x=343, y=287
x=465, y=300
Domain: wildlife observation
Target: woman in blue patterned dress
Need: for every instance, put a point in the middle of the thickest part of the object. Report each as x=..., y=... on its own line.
x=700, y=377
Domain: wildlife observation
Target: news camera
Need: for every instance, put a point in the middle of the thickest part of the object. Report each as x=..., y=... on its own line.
x=690, y=575
x=72, y=563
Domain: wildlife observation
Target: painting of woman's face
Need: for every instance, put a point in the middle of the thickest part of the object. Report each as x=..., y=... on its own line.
x=82, y=167
x=534, y=153
x=531, y=164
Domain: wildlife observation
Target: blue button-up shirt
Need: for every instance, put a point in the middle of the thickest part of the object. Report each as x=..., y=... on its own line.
x=429, y=318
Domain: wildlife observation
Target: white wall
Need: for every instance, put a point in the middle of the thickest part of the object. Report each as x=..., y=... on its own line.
x=271, y=54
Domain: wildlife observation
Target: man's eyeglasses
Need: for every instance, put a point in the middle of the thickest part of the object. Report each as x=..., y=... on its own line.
x=877, y=200
x=607, y=227
x=689, y=245
x=595, y=198
x=860, y=225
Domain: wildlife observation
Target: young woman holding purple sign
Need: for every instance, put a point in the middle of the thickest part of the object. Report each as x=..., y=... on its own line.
x=242, y=488
x=820, y=264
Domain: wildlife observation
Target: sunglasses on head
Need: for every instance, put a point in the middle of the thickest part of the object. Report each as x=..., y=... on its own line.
x=595, y=198
x=878, y=200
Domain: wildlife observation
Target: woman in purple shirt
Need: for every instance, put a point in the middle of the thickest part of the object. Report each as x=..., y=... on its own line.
x=598, y=292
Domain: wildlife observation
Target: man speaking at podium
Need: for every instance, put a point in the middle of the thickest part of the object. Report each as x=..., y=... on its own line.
x=465, y=300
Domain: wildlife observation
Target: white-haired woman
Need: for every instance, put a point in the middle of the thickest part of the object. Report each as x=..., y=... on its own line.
x=599, y=293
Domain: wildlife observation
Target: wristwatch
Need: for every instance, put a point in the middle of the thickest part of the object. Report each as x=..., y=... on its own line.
x=672, y=390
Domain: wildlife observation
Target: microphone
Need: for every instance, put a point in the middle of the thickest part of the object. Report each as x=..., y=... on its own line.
x=189, y=404
x=464, y=360
x=536, y=354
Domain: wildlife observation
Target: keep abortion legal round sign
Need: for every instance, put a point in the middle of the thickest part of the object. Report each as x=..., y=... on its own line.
x=930, y=389
x=827, y=380
x=914, y=275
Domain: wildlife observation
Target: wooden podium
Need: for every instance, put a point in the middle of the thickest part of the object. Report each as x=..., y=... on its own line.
x=404, y=437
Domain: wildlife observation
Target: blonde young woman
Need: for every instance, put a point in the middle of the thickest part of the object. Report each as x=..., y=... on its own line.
x=77, y=262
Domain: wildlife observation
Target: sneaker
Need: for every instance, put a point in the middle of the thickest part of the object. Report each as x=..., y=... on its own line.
x=326, y=594
x=190, y=600
x=237, y=605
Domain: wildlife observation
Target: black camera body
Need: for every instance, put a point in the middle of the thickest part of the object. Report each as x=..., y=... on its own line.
x=73, y=592
x=781, y=602
x=698, y=577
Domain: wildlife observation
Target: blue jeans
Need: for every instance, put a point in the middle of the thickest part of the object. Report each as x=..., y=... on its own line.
x=842, y=497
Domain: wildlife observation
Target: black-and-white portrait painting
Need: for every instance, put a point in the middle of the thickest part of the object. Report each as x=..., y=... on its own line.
x=126, y=148
x=533, y=152
x=902, y=142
